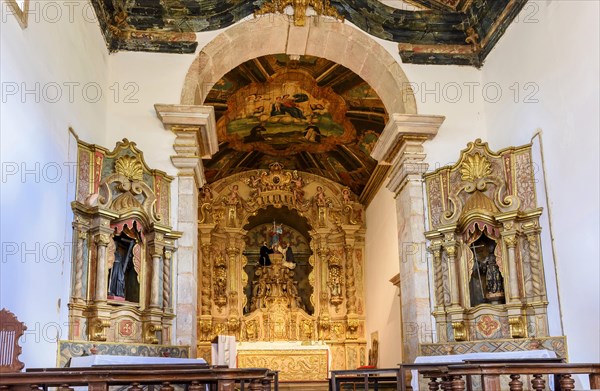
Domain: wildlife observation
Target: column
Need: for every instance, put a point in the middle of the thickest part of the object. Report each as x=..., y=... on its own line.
x=81, y=235
x=401, y=146
x=514, y=296
x=101, y=241
x=196, y=138
x=154, y=294
x=167, y=281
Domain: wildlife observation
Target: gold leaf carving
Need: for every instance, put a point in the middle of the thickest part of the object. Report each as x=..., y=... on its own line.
x=475, y=167
x=294, y=365
x=130, y=167
x=300, y=6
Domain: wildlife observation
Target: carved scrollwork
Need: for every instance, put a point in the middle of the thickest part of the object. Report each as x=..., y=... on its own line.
x=97, y=329
x=220, y=282
x=460, y=331
x=300, y=7
x=150, y=333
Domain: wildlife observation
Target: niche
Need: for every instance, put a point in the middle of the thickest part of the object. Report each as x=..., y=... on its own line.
x=486, y=283
x=279, y=235
x=123, y=278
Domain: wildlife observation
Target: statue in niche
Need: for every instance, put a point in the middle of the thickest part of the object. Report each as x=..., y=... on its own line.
x=486, y=283
x=288, y=257
x=122, y=282
x=264, y=259
x=275, y=235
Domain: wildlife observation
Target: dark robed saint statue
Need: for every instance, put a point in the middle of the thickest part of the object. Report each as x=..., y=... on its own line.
x=123, y=255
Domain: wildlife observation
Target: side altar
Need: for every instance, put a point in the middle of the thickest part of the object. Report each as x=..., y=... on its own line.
x=122, y=271
x=484, y=233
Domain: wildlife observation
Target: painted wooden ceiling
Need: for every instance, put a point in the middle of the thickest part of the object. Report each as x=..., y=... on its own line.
x=427, y=32
x=307, y=113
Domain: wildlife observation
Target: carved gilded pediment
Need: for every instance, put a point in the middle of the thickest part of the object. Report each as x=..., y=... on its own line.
x=482, y=181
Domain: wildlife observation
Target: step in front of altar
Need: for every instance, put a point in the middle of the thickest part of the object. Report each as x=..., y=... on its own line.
x=294, y=361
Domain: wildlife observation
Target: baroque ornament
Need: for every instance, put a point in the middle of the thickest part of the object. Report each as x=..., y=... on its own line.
x=130, y=167
x=475, y=167
x=321, y=7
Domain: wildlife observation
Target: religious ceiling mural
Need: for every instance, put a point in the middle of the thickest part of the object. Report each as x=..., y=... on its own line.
x=427, y=31
x=307, y=113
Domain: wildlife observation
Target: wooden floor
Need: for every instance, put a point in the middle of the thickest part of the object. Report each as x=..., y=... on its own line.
x=304, y=386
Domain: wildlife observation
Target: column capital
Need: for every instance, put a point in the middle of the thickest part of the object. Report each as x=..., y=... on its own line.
x=192, y=118
x=405, y=129
x=196, y=136
x=401, y=145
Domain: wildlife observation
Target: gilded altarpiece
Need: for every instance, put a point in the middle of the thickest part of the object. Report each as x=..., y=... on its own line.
x=123, y=244
x=484, y=234
x=315, y=297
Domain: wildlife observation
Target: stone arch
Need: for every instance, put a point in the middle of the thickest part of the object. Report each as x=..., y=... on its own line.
x=320, y=37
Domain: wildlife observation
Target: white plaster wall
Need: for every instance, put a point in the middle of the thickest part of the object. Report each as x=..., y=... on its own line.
x=456, y=92
x=554, y=46
x=61, y=45
x=144, y=79
x=382, y=300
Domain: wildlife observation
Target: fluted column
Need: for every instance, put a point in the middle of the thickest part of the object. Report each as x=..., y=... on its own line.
x=196, y=138
x=401, y=146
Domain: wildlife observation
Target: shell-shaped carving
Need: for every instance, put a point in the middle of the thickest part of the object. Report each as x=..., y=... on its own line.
x=125, y=201
x=130, y=167
x=475, y=167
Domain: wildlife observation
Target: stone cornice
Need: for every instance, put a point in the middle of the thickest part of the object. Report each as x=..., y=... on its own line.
x=200, y=118
x=401, y=146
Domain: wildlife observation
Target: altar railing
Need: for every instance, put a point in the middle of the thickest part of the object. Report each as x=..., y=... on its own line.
x=501, y=376
x=192, y=378
x=460, y=377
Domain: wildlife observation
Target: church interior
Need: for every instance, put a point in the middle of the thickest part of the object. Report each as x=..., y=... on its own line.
x=312, y=186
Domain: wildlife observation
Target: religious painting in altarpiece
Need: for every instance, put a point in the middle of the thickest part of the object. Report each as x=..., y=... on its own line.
x=122, y=248
x=484, y=234
x=281, y=259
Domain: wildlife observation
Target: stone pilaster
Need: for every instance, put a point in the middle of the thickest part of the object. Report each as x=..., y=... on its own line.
x=401, y=146
x=196, y=138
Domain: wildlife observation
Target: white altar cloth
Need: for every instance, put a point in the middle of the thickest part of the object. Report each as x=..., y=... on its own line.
x=458, y=358
x=100, y=359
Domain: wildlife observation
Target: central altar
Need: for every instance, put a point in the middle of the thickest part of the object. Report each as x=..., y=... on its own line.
x=295, y=361
x=281, y=269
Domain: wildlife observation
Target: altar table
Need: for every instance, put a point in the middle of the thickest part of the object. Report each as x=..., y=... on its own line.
x=295, y=361
x=99, y=359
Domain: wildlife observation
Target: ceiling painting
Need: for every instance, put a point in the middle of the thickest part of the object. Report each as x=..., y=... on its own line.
x=460, y=32
x=306, y=113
